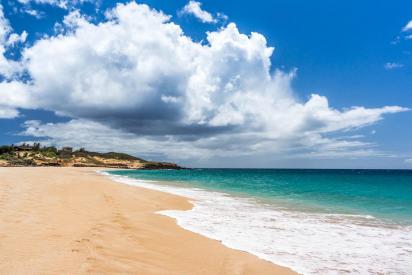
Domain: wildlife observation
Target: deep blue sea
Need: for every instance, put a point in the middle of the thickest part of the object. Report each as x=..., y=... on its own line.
x=314, y=221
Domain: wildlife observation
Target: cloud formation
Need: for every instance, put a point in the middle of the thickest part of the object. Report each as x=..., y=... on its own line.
x=407, y=27
x=393, y=65
x=138, y=78
x=9, y=69
x=8, y=39
x=195, y=8
x=64, y=4
x=99, y=137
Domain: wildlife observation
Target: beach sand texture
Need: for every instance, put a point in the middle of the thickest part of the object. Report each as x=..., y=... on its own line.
x=75, y=221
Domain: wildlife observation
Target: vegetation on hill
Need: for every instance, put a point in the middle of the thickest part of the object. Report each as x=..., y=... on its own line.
x=37, y=155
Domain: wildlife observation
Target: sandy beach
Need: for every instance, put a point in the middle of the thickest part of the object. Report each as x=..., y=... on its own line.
x=75, y=221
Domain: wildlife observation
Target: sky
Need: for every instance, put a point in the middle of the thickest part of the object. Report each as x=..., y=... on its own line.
x=268, y=84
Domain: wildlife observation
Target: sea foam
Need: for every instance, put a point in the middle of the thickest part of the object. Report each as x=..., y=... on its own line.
x=307, y=242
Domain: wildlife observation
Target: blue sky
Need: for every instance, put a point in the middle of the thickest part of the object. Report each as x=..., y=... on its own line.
x=353, y=53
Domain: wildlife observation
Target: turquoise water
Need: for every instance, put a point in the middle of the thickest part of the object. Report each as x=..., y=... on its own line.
x=313, y=221
x=385, y=194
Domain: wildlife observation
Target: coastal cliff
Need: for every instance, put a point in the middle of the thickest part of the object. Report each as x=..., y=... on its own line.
x=35, y=155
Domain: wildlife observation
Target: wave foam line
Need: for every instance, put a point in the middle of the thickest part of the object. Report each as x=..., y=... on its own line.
x=310, y=243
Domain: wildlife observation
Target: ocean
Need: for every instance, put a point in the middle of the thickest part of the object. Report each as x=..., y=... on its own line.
x=313, y=221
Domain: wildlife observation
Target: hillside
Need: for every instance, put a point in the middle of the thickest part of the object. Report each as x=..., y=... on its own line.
x=36, y=155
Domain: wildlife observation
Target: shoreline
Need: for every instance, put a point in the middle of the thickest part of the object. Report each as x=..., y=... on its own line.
x=283, y=236
x=76, y=221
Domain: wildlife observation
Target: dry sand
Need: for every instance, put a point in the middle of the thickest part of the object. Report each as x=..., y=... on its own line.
x=74, y=221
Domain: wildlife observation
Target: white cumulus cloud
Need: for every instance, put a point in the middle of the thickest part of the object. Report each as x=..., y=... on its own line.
x=407, y=27
x=15, y=38
x=7, y=38
x=9, y=100
x=195, y=8
x=137, y=77
x=6, y=112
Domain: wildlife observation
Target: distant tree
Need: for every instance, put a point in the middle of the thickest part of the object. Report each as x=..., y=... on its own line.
x=50, y=151
x=53, y=149
x=6, y=149
x=36, y=146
